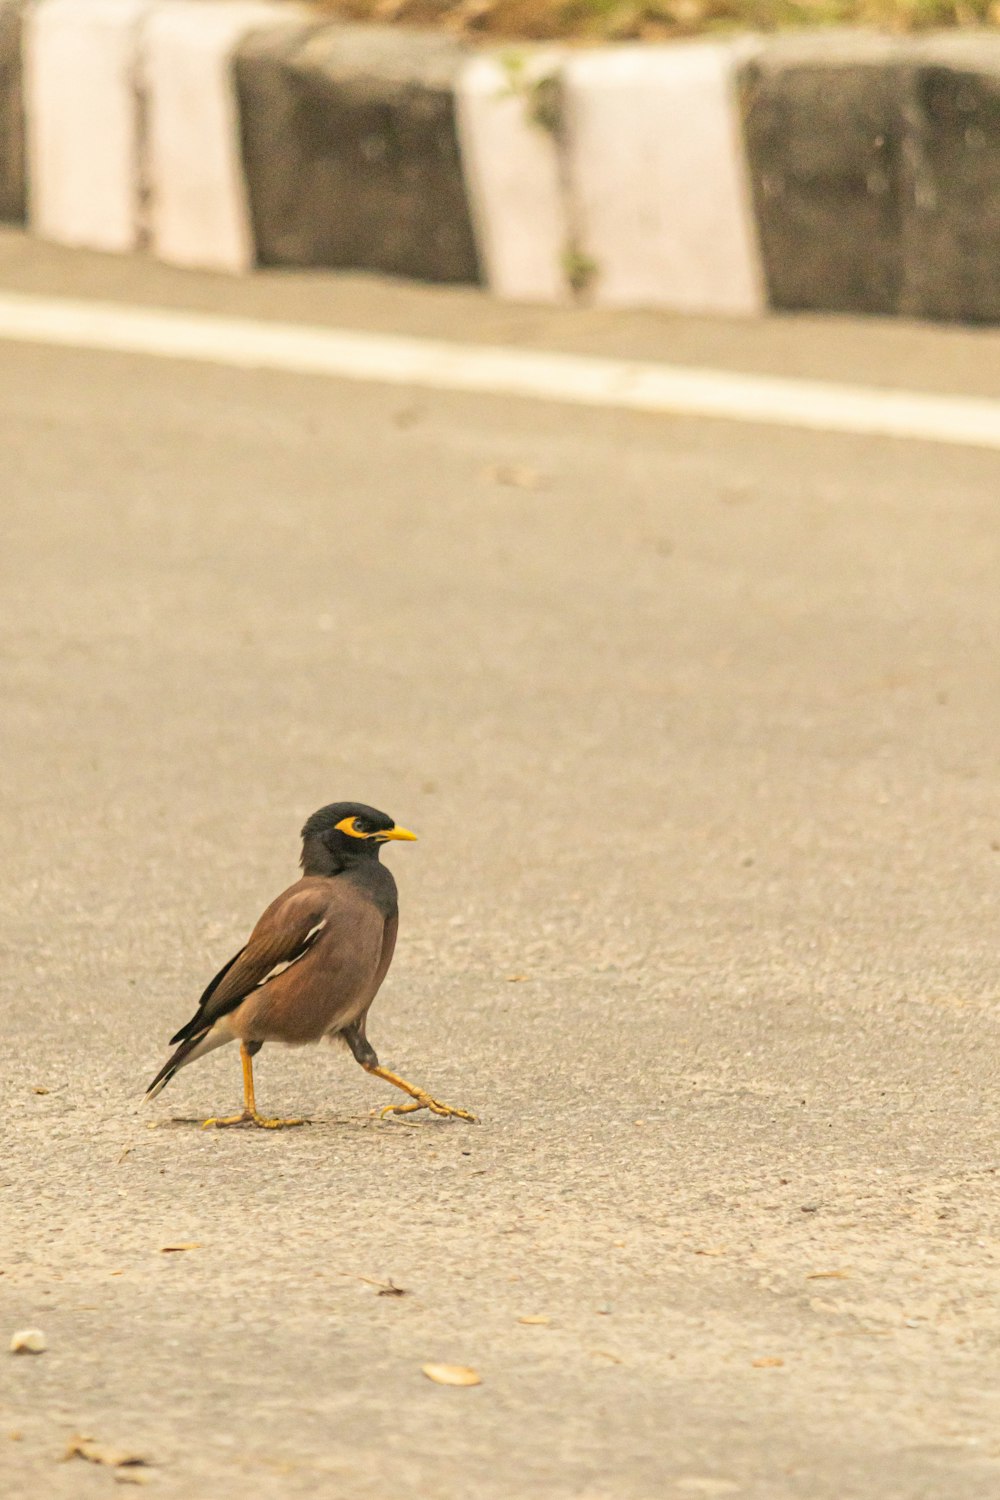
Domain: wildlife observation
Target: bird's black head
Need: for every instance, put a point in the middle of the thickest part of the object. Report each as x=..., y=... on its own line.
x=344, y=833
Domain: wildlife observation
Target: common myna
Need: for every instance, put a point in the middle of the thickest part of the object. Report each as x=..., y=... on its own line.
x=313, y=964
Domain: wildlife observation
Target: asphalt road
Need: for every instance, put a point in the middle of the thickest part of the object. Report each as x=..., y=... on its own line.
x=698, y=726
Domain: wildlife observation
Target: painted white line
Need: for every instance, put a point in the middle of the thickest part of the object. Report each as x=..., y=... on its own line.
x=570, y=378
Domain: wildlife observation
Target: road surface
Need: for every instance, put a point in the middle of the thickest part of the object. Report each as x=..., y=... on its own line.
x=697, y=723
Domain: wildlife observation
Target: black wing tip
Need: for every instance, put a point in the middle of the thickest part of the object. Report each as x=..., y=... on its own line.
x=196, y=1026
x=161, y=1080
x=191, y=1035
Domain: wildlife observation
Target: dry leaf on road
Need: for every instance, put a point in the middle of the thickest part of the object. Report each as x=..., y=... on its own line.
x=174, y=1249
x=518, y=476
x=101, y=1453
x=383, y=1288
x=451, y=1374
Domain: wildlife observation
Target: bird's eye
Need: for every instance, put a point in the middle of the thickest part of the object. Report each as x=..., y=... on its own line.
x=355, y=828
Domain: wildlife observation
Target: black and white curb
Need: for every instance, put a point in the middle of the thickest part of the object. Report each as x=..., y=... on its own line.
x=830, y=170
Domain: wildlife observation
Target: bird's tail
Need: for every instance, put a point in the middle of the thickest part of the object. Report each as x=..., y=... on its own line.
x=189, y=1051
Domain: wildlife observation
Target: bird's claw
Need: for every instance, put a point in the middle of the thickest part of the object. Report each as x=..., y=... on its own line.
x=250, y=1117
x=424, y=1101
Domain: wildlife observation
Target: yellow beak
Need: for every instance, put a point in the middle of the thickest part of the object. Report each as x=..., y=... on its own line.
x=398, y=833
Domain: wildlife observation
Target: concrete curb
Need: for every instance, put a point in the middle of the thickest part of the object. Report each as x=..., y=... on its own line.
x=13, y=187
x=838, y=171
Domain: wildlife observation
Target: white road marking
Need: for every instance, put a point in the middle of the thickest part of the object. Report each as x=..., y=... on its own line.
x=434, y=364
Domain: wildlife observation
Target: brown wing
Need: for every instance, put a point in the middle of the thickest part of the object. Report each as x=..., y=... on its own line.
x=285, y=933
x=332, y=985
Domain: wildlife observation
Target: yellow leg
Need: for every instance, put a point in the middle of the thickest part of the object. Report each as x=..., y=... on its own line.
x=424, y=1100
x=249, y=1115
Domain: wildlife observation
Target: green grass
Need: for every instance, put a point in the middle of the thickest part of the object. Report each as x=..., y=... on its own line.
x=659, y=20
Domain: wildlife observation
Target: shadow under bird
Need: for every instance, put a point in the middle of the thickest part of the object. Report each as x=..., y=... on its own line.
x=312, y=965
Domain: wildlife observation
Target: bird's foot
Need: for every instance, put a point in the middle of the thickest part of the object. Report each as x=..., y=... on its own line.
x=250, y=1117
x=421, y=1098
x=424, y=1101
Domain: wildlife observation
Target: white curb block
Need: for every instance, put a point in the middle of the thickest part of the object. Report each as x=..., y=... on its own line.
x=85, y=181
x=513, y=177
x=198, y=200
x=656, y=162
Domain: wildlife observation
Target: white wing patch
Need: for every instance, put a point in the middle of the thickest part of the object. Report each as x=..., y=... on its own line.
x=307, y=942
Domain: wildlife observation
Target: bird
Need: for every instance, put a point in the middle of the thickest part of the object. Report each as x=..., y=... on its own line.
x=312, y=965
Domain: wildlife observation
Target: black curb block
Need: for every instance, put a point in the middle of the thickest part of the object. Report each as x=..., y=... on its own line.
x=952, y=223
x=875, y=173
x=13, y=186
x=351, y=151
x=822, y=131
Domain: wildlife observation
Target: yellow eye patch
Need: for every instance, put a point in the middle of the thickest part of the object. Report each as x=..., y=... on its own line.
x=350, y=826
